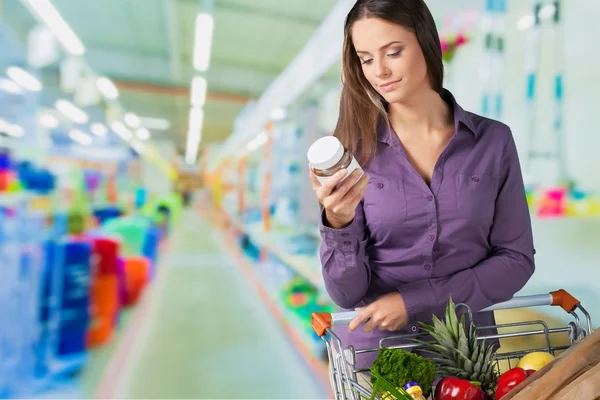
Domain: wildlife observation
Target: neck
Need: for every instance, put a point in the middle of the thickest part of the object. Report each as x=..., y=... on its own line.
x=425, y=112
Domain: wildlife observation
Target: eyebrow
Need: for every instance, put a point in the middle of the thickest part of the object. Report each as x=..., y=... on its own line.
x=381, y=48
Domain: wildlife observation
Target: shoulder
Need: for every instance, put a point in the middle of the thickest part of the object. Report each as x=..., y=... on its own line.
x=490, y=131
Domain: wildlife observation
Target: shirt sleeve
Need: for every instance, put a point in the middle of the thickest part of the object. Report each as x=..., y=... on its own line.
x=345, y=263
x=504, y=272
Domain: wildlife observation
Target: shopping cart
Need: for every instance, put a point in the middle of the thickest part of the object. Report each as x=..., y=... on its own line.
x=342, y=361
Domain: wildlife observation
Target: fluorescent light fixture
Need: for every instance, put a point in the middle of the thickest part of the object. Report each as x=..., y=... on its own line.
x=10, y=129
x=107, y=88
x=157, y=124
x=24, y=79
x=45, y=11
x=194, y=135
x=142, y=133
x=71, y=111
x=203, y=41
x=132, y=120
x=49, y=121
x=258, y=141
x=547, y=11
x=191, y=150
x=80, y=137
x=14, y=130
x=278, y=114
x=121, y=130
x=9, y=86
x=98, y=129
x=198, y=91
x=526, y=22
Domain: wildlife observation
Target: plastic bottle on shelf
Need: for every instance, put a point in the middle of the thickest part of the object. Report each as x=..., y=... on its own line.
x=413, y=389
x=327, y=156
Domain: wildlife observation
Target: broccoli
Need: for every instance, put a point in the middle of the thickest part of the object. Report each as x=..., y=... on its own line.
x=400, y=367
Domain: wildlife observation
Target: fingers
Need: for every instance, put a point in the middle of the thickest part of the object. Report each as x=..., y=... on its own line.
x=313, y=178
x=326, y=189
x=358, y=191
x=363, y=316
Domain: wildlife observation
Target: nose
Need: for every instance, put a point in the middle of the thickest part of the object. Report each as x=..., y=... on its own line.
x=381, y=69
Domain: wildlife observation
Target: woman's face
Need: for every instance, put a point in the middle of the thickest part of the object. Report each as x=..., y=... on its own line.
x=391, y=58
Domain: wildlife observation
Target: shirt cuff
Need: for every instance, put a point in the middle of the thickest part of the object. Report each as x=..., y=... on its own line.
x=345, y=239
x=418, y=297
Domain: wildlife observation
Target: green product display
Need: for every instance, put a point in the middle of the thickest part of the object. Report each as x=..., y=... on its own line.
x=131, y=231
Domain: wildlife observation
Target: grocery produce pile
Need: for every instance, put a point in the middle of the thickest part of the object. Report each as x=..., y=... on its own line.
x=468, y=368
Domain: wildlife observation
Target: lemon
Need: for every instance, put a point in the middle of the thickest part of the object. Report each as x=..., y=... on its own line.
x=535, y=360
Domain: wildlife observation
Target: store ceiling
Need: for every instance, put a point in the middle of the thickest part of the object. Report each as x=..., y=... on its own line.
x=146, y=48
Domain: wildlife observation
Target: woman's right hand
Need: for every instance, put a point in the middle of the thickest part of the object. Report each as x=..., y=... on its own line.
x=340, y=203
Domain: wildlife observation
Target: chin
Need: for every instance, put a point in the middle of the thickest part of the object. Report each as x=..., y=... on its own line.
x=397, y=96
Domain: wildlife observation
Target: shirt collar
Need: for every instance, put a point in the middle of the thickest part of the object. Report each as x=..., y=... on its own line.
x=460, y=117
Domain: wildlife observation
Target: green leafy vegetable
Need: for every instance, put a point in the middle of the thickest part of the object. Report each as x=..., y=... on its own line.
x=400, y=367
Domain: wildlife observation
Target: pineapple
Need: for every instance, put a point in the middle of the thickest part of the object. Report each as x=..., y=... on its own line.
x=458, y=351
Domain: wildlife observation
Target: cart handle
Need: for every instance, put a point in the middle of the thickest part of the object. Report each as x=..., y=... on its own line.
x=321, y=321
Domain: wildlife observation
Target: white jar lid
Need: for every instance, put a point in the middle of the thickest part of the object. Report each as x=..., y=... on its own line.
x=325, y=152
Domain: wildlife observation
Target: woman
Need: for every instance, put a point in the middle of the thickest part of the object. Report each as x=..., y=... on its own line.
x=441, y=210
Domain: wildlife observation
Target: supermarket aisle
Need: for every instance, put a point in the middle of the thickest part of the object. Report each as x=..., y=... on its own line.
x=207, y=334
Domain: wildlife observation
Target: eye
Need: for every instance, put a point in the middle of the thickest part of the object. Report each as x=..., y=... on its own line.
x=396, y=54
x=367, y=62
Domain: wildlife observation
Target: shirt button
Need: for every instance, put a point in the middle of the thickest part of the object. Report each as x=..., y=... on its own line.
x=427, y=267
x=475, y=178
x=431, y=237
x=430, y=198
x=380, y=185
x=413, y=328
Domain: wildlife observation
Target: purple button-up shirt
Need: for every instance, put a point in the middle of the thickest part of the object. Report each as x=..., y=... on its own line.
x=466, y=235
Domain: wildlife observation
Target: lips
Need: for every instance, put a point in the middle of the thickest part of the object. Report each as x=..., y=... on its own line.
x=386, y=87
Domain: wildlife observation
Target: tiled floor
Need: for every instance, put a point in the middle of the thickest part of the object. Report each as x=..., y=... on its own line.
x=207, y=334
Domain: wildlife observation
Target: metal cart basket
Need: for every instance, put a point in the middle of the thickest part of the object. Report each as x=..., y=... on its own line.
x=342, y=361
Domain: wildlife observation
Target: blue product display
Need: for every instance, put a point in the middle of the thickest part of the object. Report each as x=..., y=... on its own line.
x=74, y=309
x=150, y=248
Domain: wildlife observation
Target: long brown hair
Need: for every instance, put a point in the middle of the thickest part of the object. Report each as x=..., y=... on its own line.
x=361, y=107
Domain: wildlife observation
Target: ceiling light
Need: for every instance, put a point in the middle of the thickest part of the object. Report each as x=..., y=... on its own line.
x=132, y=120
x=81, y=137
x=142, y=133
x=196, y=120
x=71, y=111
x=547, y=11
x=198, y=91
x=98, y=129
x=203, y=41
x=49, y=121
x=45, y=11
x=194, y=135
x=278, y=114
x=121, y=130
x=526, y=22
x=9, y=86
x=11, y=129
x=107, y=88
x=157, y=124
x=24, y=79
x=258, y=141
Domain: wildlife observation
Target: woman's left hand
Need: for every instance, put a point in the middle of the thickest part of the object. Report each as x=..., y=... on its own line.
x=386, y=313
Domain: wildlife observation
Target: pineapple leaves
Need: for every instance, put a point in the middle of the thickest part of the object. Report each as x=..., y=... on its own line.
x=452, y=320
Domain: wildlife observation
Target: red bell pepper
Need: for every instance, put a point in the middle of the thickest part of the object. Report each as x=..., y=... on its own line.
x=509, y=380
x=452, y=388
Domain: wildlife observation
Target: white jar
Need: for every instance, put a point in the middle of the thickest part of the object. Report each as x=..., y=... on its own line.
x=327, y=156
